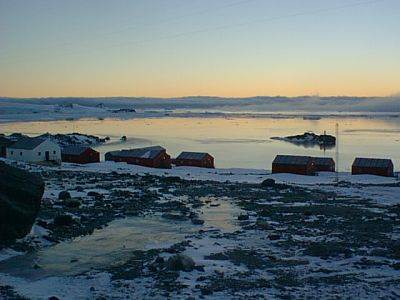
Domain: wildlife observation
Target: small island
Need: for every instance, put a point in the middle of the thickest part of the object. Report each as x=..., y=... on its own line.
x=309, y=139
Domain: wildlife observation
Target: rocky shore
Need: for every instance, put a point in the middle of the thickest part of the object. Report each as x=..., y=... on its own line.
x=64, y=140
x=240, y=241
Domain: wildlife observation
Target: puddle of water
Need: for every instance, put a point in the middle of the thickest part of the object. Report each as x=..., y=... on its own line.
x=220, y=214
x=104, y=247
x=114, y=243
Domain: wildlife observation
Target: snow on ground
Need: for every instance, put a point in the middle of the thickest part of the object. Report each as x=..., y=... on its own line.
x=360, y=186
x=230, y=174
x=372, y=187
x=7, y=253
x=64, y=287
x=381, y=189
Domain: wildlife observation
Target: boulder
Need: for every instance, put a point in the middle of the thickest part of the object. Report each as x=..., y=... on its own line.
x=72, y=203
x=269, y=182
x=20, y=197
x=63, y=195
x=262, y=224
x=95, y=195
x=180, y=262
x=63, y=220
x=243, y=217
x=196, y=221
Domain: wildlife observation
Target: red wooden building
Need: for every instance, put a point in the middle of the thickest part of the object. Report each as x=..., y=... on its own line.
x=324, y=164
x=302, y=165
x=154, y=157
x=79, y=155
x=195, y=159
x=373, y=166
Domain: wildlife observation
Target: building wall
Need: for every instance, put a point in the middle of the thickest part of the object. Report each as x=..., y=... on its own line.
x=293, y=169
x=206, y=162
x=38, y=154
x=324, y=168
x=89, y=156
x=3, y=151
x=387, y=172
x=163, y=160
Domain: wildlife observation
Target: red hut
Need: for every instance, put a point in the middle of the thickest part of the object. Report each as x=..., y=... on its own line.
x=303, y=165
x=154, y=157
x=79, y=155
x=195, y=159
x=373, y=166
x=324, y=164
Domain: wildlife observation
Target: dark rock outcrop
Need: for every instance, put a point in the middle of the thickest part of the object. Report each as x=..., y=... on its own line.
x=63, y=195
x=20, y=197
x=180, y=262
x=310, y=139
x=63, y=220
x=269, y=182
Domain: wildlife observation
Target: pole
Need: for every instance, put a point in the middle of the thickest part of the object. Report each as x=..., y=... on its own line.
x=337, y=154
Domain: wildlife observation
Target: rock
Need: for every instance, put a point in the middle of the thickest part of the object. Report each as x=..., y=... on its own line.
x=206, y=290
x=309, y=139
x=200, y=268
x=72, y=203
x=396, y=266
x=20, y=197
x=171, y=179
x=54, y=298
x=243, y=217
x=96, y=195
x=269, y=182
x=180, y=262
x=63, y=195
x=175, y=217
x=93, y=194
x=262, y=224
x=197, y=221
x=63, y=220
x=159, y=260
x=201, y=278
x=274, y=237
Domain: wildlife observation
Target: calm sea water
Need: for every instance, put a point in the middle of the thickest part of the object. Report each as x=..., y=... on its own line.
x=236, y=142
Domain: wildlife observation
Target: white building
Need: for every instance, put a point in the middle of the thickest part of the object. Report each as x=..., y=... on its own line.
x=34, y=150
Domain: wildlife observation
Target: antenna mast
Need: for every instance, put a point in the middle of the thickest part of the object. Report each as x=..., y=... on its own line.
x=337, y=154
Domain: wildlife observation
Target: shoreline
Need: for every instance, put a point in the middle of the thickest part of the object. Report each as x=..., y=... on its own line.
x=306, y=116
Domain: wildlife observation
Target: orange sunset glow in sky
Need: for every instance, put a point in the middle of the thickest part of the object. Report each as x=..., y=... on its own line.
x=180, y=48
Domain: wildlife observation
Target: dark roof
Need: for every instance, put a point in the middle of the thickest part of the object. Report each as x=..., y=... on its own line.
x=74, y=150
x=192, y=155
x=5, y=141
x=147, y=152
x=27, y=143
x=323, y=161
x=291, y=160
x=372, y=162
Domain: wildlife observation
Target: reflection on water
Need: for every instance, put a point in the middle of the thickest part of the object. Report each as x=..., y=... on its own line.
x=104, y=247
x=235, y=142
x=114, y=243
x=219, y=214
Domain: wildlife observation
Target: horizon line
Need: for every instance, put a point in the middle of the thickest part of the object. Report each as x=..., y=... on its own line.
x=198, y=96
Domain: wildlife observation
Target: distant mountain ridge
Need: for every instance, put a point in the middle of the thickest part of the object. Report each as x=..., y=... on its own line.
x=256, y=104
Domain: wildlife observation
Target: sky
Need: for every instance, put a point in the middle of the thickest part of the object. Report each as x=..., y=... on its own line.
x=174, y=48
